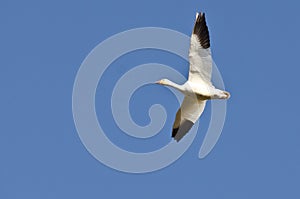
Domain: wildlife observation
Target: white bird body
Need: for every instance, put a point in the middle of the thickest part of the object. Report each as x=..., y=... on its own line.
x=198, y=88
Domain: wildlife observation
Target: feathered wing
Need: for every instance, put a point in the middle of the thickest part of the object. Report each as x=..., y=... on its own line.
x=199, y=53
x=189, y=112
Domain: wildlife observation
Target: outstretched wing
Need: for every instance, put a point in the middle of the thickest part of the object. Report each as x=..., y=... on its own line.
x=200, y=54
x=190, y=110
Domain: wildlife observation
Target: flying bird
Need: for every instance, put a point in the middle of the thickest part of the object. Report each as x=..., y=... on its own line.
x=198, y=88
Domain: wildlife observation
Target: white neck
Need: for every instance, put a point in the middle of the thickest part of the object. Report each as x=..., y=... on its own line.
x=174, y=85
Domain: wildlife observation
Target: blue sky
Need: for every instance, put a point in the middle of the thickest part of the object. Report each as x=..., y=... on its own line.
x=255, y=45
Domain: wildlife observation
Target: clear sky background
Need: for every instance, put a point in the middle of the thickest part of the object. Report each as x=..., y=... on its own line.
x=256, y=47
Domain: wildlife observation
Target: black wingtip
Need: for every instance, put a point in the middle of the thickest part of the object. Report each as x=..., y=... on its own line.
x=182, y=130
x=174, y=132
x=201, y=30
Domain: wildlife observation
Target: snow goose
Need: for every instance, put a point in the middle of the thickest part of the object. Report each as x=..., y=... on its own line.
x=198, y=88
